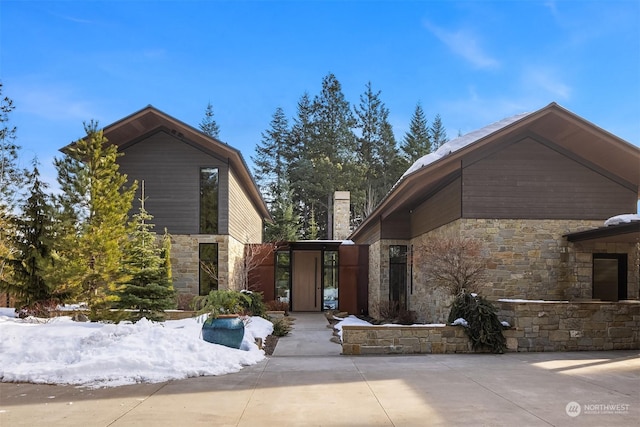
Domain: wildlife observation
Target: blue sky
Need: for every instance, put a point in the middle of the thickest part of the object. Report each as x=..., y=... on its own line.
x=65, y=62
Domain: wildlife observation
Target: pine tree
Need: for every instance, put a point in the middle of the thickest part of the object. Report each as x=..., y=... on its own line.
x=300, y=166
x=11, y=175
x=286, y=223
x=377, y=150
x=331, y=150
x=417, y=142
x=148, y=288
x=34, y=242
x=437, y=133
x=166, y=254
x=92, y=217
x=11, y=179
x=208, y=124
x=273, y=157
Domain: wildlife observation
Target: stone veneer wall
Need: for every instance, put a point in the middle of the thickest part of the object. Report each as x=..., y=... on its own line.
x=567, y=326
x=529, y=259
x=185, y=261
x=536, y=326
x=362, y=340
x=235, y=261
x=379, y=273
x=375, y=276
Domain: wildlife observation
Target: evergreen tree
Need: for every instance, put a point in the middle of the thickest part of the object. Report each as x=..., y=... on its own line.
x=166, y=254
x=92, y=217
x=11, y=179
x=273, y=157
x=34, y=241
x=11, y=175
x=437, y=133
x=208, y=124
x=331, y=152
x=377, y=150
x=300, y=166
x=417, y=142
x=148, y=288
x=286, y=223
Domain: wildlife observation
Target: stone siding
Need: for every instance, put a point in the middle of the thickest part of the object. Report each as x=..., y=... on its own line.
x=569, y=326
x=341, y=215
x=235, y=261
x=528, y=259
x=362, y=340
x=379, y=273
x=536, y=326
x=185, y=261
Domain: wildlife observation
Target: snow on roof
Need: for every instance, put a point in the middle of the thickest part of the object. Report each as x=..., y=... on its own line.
x=461, y=142
x=622, y=219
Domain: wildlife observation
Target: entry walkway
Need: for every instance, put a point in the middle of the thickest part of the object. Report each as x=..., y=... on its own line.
x=310, y=337
x=307, y=383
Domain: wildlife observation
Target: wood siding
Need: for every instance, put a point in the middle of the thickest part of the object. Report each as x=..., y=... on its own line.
x=529, y=179
x=353, y=281
x=396, y=226
x=245, y=222
x=440, y=209
x=170, y=169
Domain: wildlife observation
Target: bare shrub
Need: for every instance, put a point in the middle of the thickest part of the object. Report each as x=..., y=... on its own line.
x=454, y=264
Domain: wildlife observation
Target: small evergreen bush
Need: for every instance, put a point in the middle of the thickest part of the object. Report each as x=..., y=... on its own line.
x=281, y=327
x=485, y=329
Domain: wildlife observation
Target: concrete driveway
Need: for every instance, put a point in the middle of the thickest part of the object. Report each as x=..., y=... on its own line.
x=307, y=383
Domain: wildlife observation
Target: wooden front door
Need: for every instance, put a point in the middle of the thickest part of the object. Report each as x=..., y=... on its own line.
x=306, y=283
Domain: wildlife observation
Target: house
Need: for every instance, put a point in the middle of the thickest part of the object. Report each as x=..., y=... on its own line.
x=197, y=188
x=536, y=188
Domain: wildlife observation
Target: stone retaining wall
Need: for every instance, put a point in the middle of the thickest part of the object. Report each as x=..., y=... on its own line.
x=536, y=326
x=375, y=339
x=570, y=326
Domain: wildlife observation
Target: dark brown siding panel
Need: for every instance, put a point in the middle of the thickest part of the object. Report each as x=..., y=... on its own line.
x=528, y=179
x=396, y=226
x=438, y=210
x=261, y=278
x=171, y=171
x=370, y=235
x=353, y=278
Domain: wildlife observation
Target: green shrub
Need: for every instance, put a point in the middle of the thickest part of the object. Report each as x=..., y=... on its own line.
x=484, y=328
x=254, y=305
x=281, y=327
x=221, y=302
x=230, y=302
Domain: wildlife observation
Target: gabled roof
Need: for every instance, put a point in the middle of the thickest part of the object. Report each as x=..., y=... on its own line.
x=150, y=119
x=552, y=123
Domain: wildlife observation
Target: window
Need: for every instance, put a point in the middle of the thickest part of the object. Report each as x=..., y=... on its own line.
x=610, y=277
x=330, y=298
x=209, y=201
x=208, y=257
x=283, y=262
x=398, y=275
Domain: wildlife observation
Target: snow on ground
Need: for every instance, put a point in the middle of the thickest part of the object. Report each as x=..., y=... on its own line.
x=61, y=351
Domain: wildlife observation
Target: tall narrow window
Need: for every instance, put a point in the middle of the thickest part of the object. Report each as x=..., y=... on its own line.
x=208, y=258
x=330, y=280
x=283, y=274
x=398, y=275
x=209, y=201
